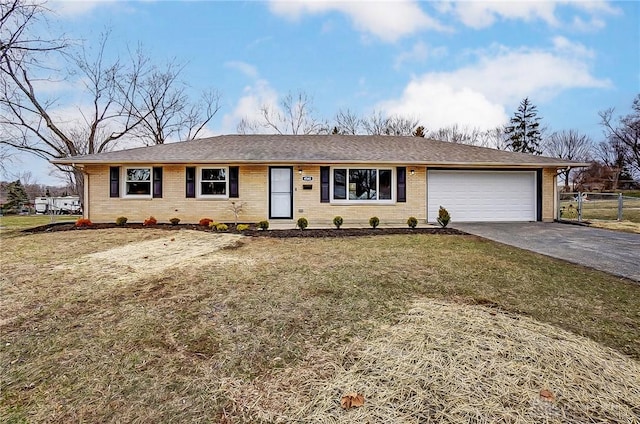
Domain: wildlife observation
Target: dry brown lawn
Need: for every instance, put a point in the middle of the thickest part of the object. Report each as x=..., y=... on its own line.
x=626, y=226
x=181, y=326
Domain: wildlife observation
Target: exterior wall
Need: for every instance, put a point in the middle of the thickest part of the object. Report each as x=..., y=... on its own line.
x=253, y=190
x=306, y=203
x=254, y=194
x=549, y=181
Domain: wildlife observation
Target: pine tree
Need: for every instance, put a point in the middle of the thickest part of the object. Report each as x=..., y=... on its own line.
x=524, y=130
x=419, y=132
x=16, y=196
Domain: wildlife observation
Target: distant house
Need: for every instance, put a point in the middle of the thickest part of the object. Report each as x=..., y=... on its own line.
x=284, y=177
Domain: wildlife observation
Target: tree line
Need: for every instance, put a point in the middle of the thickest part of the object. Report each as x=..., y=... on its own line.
x=131, y=98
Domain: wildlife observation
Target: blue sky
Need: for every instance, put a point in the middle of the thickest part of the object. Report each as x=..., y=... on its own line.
x=467, y=62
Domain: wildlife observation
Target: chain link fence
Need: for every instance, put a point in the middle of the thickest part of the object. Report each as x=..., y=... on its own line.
x=584, y=206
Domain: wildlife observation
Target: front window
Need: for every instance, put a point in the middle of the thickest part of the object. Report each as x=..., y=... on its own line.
x=362, y=184
x=138, y=182
x=213, y=182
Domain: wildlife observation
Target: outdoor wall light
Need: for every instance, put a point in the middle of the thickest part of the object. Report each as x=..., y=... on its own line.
x=412, y=172
x=300, y=171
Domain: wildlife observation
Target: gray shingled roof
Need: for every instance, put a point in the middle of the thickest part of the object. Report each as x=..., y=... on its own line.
x=319, y=149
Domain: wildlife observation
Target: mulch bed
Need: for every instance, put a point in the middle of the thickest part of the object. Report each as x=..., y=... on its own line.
x=253, y=232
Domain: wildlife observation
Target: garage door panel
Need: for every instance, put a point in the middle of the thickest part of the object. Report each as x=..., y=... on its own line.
x=482, y=195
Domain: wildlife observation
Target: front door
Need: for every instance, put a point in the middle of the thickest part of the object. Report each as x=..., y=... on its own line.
x=280, y=192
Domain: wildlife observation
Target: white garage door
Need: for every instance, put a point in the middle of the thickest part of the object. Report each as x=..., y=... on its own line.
x=474, y=196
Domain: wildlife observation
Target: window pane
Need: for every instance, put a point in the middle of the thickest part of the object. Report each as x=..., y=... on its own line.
x=138, y=187
x=212, y=188
x=214, y=174
x=340, y=184
x=139, y=174
x=385, y=184
x=362, y=184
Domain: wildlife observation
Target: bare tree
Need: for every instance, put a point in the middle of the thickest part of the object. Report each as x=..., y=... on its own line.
x=347, y=122
x=625, y=134
x=295, y=115
x=613, y=154
x=457, y=134
x=375, y=124
x=167, y=112
x=569, y=145
x=111, y=88
x=117, y=97
x=401, y=125
x=17, y=42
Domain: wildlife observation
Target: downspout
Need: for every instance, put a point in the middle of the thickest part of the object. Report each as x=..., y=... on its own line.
x=85, y=206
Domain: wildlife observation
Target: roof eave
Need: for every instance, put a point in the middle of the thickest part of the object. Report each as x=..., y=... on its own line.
x=72, y=162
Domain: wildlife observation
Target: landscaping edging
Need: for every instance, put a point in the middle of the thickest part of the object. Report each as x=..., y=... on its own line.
x=252, y=232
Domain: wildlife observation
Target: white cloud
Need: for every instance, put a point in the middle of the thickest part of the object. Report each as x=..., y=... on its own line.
x=592, y=25
x=481, y=14
x=387, y=20
x=419, y=53
x=254, y=97
x=75, y=8
x=438, y=104
x=476, y=95
x=245, y=68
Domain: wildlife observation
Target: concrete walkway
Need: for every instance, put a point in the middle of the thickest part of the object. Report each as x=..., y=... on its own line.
x=610, y=251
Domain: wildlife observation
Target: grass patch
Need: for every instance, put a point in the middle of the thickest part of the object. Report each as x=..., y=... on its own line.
x=626, y=226
x=222, y=335
x=12, y=224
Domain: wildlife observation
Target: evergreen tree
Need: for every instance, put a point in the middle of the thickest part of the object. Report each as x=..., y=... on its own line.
x=16, y=196
x=419, y=132
x=523, y=133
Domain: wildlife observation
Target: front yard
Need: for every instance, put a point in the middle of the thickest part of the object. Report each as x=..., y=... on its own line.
x=180, y=326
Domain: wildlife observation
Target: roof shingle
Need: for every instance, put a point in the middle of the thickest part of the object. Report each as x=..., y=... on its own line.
x=319, y=149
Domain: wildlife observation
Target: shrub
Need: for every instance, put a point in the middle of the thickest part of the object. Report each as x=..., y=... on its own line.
x=150, y=221
x=374, y=221
x=263, y=225
x=121, y=220
x=337, y=221
x=205, y=222
x=412, y=222
x=443, y=217
x=242, y=227
x=302, y=223
x=174, y=221
x=82, y=222
x=212, y=225
x=221, y=227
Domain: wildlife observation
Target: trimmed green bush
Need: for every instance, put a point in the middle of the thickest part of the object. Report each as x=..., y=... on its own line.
x=222, y=227
x=302, y=223
x=121, y=220
x=263, y=225
x=374, y=221
x=174, y=221
x=242, y=227
x=443, y=217
x=337, y=221
x=412, y=222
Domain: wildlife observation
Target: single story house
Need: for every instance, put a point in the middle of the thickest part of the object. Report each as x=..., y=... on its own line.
x=284, y=177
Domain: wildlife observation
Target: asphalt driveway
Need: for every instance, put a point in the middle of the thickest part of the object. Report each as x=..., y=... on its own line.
x=610, y=251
